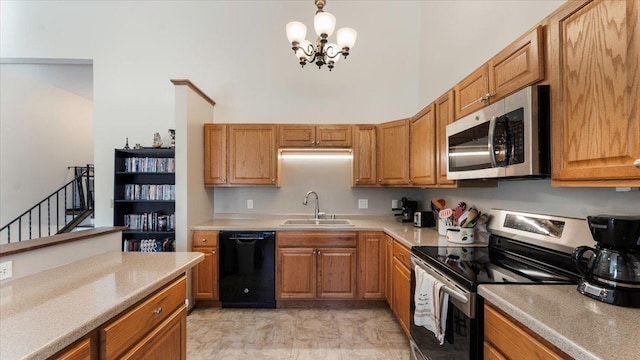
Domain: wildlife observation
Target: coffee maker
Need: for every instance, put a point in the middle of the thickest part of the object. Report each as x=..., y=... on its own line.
x=612, y=272
x=407, y=208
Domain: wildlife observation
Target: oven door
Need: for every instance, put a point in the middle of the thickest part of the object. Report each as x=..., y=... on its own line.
x=462, y=337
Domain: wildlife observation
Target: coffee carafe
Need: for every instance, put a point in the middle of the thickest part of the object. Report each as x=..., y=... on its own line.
x=612, y=272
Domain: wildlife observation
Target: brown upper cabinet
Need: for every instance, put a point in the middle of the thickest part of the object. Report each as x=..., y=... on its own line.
x=364, y=155
x=595, y=84
x=240, y=155
x=444, y=116
x=518, y=65
x=393, y=153
x=423, y=147
x=315, y=135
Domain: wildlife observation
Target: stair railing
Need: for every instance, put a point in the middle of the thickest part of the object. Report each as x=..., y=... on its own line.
x=75, y=198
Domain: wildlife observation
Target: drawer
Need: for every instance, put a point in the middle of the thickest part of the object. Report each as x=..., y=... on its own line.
x=402, y=254
x=135, y=323
x=204, y=238
x=316, y=239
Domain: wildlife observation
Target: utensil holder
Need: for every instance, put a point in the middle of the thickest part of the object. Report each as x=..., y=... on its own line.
x=442, y=227
x=456, y=234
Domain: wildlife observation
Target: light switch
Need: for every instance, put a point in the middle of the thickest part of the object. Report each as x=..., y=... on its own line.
x=249, y=204
x=363, y=203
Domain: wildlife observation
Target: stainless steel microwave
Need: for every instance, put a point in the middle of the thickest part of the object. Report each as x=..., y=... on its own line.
x=507, y=139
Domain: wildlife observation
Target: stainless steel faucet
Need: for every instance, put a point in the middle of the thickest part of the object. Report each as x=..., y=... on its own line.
x=306, y=201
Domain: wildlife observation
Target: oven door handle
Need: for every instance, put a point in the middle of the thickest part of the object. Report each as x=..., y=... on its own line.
x=453, y=293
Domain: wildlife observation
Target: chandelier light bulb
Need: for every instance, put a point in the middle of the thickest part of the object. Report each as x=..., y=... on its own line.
x=347, y=38
x=324, y=23
x=296, y=31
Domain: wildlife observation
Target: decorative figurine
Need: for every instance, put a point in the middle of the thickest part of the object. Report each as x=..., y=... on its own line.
x=126, y=146
x=157, y=140
x=172, y=135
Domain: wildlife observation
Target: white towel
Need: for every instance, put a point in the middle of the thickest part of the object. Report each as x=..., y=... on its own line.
x=431, y=304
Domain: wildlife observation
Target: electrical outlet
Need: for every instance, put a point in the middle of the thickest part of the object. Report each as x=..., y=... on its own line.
x=394, y=204
x=6, y=270
x=249, y=204
x=363, y=203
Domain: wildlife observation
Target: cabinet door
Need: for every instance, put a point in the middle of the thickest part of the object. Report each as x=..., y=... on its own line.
x=423, y=147
x=520, y=64
x=470, y=94
x=444, y=117
x=371, y=251
x=393, y=153
x=333, y=135
x=595, y=107
x=364, y=155
x=297, y=135
x=491, y=353
x=296, y=273
x=167, y=341
x=388, y=271
x=337, y=273
x=252, y=154
x=205, y=275
x=79, y=351
x=402, y=294
x=215, y=154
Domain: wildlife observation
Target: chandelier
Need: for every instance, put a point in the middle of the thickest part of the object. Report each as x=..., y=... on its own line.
x=323, y=53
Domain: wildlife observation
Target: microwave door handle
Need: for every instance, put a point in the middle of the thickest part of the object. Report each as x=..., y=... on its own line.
x=492, y=153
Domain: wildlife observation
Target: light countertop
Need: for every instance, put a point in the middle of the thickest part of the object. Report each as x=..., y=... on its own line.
x=405, y=233
x=581, y=327
x=43, y=313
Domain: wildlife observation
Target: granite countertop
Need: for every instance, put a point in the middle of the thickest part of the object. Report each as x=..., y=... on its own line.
x=405, y=233
x=581, y=327
x=43, y=313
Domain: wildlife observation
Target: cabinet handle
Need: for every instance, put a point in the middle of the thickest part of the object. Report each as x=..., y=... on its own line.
x=313, y=252
x=487, y=97
x=157, y=311
x=273, y=180
x=318, y=252
x=213, y=252
x=223, y=180
x=357, y=180
x=379, y=180
x=637, y=163
x=204, y=239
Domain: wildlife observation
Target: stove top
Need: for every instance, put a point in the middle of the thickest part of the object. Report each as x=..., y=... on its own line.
x=523, y=249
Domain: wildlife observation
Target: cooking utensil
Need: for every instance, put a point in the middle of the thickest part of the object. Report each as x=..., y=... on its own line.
x=438, y=204
x=447, y=215
x=471, y=218
x=458, y=211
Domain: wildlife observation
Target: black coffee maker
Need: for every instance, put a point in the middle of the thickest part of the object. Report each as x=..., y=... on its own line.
x=612, y=272
x=407, y=208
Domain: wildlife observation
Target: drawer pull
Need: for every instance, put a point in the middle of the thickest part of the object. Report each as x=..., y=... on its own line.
x=157, y=311
x=204, y=239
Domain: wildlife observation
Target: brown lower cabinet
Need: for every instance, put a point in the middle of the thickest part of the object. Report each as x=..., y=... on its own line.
x=401, y=285
x=154, y=328
x=316, y=265
x=371, y=264
x=506, y=338
x=205, y=274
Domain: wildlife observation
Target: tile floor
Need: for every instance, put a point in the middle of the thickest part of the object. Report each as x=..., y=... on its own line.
x=327, y=334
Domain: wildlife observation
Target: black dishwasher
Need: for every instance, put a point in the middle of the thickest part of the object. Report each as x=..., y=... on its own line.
x=247, y=269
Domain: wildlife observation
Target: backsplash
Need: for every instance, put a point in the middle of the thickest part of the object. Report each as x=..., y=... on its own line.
x=331, y=179
x=540, y=197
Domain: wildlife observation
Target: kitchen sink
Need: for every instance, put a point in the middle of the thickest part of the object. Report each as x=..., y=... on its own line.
x=319, y=222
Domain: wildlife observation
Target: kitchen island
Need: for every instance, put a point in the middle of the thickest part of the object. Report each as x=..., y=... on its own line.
x=579, y=326
x=43, y=313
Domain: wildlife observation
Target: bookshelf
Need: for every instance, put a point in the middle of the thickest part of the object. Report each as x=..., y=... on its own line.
x=144, y=198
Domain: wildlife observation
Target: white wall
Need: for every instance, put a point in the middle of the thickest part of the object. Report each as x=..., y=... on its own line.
x=46, y=125
x=193, y=203
x=235, y=51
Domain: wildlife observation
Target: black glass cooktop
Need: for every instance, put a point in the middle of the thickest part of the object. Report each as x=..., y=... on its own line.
x=496, y=263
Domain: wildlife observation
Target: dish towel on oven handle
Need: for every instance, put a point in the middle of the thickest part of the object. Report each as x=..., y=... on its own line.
x=431, y=304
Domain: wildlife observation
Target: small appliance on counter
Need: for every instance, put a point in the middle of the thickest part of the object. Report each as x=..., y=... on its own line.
x=612, y=274
x=408, y=209
x=423, y=219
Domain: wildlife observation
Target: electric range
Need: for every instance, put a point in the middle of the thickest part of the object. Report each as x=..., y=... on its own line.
x=523, y=248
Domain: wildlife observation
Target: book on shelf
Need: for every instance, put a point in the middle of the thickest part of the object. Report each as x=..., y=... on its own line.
x=149, y=245
x=153, y=221
x=149, y=192
x=150, y=165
